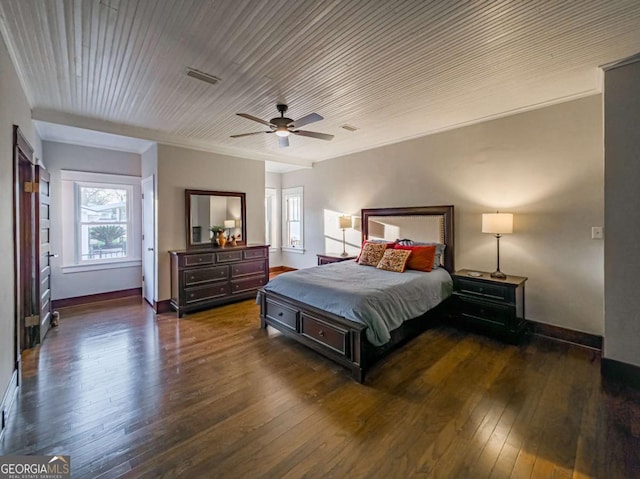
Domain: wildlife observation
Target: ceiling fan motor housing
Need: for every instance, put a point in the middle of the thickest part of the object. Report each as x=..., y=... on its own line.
x=282, y=122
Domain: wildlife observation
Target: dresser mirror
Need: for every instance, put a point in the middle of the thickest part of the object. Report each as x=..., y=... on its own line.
x=205, y=209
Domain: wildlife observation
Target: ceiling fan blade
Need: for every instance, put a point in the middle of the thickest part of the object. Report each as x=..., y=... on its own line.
x=251, y=117
x=283, y=141
x=305, y=120
x=249, y=134
x=313, y=134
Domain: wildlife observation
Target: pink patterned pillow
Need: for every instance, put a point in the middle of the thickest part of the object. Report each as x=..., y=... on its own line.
x=372, y=254
x=394, y=260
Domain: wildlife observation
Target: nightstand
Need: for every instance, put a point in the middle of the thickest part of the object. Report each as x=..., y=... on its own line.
x=333, y=258
x=489, y=303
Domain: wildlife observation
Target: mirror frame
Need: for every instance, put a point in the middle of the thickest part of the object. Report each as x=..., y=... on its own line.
x=187, y=215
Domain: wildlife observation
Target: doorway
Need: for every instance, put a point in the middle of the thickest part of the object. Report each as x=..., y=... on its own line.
x=31, y=247
x=148, y=240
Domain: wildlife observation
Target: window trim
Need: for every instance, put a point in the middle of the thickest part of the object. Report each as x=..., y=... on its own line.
x=71, y=182
x=287, y=192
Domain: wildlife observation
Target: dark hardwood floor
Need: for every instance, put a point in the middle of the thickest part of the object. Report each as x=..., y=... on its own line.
x=125, y=393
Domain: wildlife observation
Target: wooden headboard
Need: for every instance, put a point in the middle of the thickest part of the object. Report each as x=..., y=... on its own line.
x=438, y=227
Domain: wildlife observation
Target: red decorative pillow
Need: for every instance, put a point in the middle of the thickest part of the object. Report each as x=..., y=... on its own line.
x=389, y=246
x=421, y=258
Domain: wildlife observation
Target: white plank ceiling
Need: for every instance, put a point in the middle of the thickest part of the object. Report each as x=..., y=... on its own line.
x=395, y=69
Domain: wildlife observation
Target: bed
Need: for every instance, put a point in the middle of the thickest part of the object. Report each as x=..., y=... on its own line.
x=355, y=315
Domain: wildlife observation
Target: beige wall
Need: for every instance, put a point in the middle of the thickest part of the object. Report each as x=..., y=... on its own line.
x=622, y=227
x=14, y=110
x=182, y=168
x=62, y=156
x=545, y=166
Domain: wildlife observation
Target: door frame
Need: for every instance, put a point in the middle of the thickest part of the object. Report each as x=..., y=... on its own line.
x=22, y=154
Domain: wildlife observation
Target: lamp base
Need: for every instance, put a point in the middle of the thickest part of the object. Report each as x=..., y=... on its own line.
x=344, y=254
x=498, y=275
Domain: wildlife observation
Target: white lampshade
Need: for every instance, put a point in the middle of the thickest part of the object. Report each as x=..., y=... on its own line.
x=497, y=223
x=344, y=222
x=229, y=223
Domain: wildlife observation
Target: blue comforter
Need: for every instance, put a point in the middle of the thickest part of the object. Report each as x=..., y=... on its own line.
x=380, y=299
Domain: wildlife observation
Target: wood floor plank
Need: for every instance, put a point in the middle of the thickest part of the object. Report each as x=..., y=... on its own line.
x=127, y=393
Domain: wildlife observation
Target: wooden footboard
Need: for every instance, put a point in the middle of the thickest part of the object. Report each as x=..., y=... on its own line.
x=335, y=337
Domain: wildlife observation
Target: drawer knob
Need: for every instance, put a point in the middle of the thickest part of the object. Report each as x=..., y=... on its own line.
x=192, y=277
x=321, y=333
x=481, y=289
x=199, y=259
x=280, y=313
x=191, y=295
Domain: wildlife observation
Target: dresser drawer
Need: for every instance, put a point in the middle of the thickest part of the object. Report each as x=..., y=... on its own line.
x=486, y=312
x=202, y=293
x=286, y=316
x=484, y=289
x=325, y=334
x=242, y=285
x=228, y=256
x=197, y=276
x=255, y=253
x=197, y=259
x=250, y=267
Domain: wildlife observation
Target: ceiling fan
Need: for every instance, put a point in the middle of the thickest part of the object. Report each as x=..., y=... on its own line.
x=283, y=126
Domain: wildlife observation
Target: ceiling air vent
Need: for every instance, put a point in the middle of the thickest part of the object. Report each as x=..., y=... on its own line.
x=348, y=127
x=202, y=76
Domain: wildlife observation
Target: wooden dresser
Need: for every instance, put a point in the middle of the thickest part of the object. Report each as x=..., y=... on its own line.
x=203, y=278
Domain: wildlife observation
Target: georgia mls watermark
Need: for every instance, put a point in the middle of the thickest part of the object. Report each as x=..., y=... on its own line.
x=35, y=467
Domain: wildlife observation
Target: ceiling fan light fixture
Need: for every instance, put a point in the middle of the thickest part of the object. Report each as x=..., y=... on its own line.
x=282, y=132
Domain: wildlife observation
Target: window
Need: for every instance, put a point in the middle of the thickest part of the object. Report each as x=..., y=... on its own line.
x=271, y=218
x=292, y=220
x=101, y=221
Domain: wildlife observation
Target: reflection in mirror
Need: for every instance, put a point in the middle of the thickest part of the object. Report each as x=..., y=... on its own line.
x=209, y=209
x=422, y=229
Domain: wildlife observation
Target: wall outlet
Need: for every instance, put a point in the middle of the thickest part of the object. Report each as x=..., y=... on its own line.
x=596, y=232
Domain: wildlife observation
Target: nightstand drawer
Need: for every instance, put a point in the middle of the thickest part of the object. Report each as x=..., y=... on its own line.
x=485, y=289
x=486, y=312
x=325, y=334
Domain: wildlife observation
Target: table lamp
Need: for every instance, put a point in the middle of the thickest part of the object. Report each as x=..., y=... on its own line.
x=344, y=222
x=497, y=224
